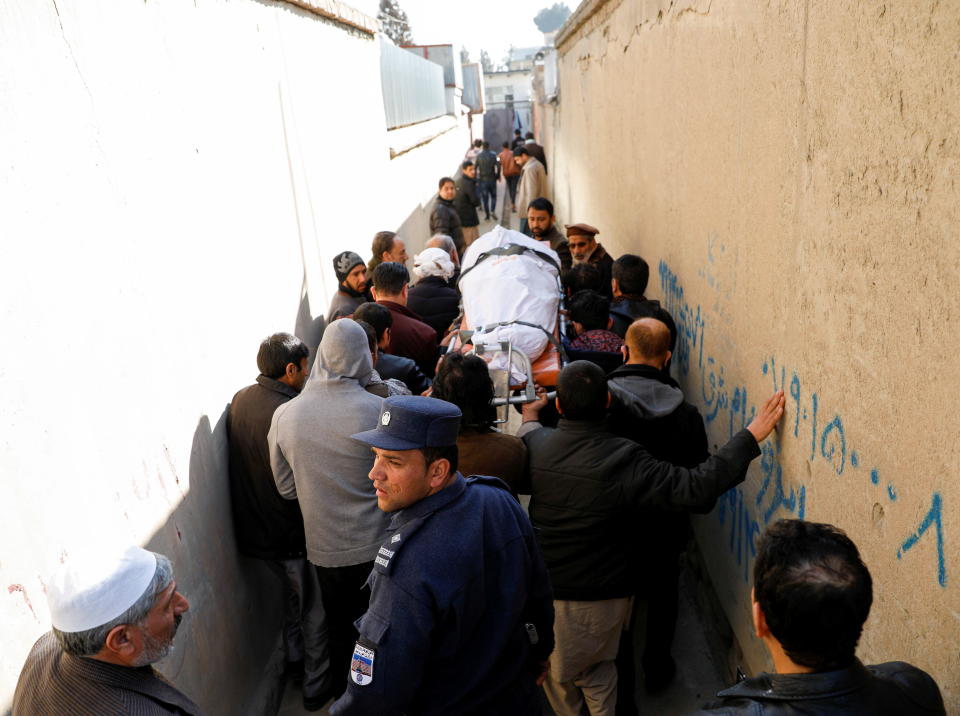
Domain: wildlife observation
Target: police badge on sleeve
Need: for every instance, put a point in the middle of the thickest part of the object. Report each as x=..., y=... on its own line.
x=361, y=665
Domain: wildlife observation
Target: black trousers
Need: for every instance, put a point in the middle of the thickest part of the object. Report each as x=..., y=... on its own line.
x=653, y=622
x=304, y=623
x=345, y=599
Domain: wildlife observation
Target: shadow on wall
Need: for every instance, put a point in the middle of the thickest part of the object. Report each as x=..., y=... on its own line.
x=307, y=328
x=229, y=642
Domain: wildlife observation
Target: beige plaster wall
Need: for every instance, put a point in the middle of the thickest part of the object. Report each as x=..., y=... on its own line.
x=790, y=171
x=175, y=179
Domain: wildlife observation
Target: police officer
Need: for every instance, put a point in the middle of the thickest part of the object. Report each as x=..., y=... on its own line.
x=460, y=618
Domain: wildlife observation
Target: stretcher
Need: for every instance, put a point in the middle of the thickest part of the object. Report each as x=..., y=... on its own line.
x=497, y=341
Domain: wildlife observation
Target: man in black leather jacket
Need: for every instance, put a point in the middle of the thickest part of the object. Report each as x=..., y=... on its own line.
x=811, y=595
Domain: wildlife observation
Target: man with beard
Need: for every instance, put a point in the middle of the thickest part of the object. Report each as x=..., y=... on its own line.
x=585, y=249
x=540, y=220
x=352, y=291
x=113, y=615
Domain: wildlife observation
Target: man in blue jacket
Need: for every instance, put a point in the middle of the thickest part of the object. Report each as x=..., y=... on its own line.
x=461, y=617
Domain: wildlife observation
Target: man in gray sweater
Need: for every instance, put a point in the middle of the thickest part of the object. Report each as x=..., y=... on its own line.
x=315, y=460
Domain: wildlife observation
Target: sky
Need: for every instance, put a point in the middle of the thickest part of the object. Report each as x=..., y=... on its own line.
x=492, y=25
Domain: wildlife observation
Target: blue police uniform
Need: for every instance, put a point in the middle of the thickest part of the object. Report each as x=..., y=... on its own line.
x=461, y=610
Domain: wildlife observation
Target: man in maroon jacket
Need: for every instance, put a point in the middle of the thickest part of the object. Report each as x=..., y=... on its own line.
x=411, y=337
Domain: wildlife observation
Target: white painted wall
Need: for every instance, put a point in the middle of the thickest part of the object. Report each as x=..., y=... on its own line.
x=175, y=177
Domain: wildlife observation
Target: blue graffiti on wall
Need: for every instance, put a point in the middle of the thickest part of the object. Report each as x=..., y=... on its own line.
x=729, y=403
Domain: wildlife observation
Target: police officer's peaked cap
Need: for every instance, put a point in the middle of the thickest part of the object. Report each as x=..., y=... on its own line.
x=409, y=422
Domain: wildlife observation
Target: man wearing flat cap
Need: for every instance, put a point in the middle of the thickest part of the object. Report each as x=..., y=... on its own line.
x=352, y=289
x=584, y=248
x=114, y=613
x=460, y=617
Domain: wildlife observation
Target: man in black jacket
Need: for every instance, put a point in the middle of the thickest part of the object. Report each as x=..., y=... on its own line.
x=649, y=408
x=391, y=366
x=444, y=218
x=811, y=596
x=587, y=487
x=467, y=201
x=267, y=526
x=629, y=277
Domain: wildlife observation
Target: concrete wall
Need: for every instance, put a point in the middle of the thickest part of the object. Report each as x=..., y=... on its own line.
x=789, y=170
x=176, y=178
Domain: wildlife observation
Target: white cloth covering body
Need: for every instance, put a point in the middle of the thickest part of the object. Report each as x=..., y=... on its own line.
x=518, y=287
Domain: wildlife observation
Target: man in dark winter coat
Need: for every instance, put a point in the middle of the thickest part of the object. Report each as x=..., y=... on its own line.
x=352, y=289
x=587, y=486
x=649, y=408
x=811, y=595
x=467, y=201
x=432, y=297
x=629, y=277
x=444, y=218
x=269, y=527
x=488, y=174
x=460, y=618
x=388, y=365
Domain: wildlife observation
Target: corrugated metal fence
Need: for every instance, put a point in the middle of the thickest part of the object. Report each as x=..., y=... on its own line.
x=413, y=89
x=473, y=87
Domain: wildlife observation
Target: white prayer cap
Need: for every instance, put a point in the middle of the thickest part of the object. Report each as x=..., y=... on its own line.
x=433, y=262
x=90, y=590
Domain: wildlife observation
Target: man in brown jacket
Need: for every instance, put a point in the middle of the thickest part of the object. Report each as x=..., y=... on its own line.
x=511, y=174
x=113, y=614
x=465, y=382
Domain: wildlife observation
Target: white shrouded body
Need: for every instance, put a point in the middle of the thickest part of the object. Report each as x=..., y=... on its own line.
x=519, y=287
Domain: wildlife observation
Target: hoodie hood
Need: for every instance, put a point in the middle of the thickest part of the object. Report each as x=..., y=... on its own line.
x=640, y=390
x=344, y=354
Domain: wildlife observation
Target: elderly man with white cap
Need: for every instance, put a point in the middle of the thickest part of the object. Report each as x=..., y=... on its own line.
x=113, y=614
x=432, y=298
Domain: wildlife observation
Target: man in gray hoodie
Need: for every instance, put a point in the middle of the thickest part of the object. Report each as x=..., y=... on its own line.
x=648, y=407
x=315, y=460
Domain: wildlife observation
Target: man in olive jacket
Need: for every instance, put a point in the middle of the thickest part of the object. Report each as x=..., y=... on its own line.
x=587, y=486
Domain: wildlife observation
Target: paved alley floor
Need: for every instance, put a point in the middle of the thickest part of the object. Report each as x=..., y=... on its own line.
x=697, y=680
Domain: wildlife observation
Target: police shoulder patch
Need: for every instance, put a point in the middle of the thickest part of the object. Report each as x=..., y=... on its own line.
x=361, y=665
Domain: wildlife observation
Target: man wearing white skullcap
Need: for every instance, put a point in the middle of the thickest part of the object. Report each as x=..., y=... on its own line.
x=113, y=615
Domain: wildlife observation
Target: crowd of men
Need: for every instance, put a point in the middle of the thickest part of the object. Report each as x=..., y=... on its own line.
x=378, y=488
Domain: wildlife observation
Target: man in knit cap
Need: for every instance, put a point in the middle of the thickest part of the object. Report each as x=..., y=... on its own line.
x=114, y=613
x=352, y=291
